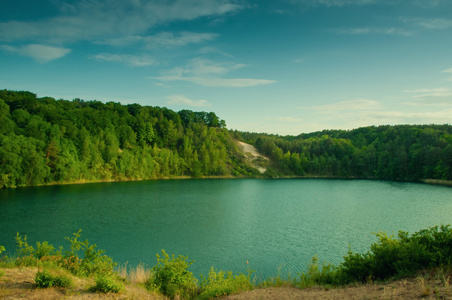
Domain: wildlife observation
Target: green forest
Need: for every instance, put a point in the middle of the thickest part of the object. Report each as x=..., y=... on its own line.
x=48, y=141
x=402, y=152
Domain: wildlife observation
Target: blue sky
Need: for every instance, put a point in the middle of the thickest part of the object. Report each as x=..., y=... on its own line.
x=284, y=67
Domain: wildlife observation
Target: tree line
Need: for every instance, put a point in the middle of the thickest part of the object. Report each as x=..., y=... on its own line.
x=44, y=141
x=401, y=152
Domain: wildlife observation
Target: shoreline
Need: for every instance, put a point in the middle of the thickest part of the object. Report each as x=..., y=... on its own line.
x=446, y=183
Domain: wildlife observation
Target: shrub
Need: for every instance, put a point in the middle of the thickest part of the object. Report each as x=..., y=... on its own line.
x=107, y=284
x=2, y=273
x=43, y=249
x=399, y=256
x=318, y=275
x=45, y=279
x=219, y=284
x=93, y=262
x=172, y=278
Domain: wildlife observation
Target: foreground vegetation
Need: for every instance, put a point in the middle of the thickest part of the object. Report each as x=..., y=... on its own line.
x=48, y=141
x=390, y=257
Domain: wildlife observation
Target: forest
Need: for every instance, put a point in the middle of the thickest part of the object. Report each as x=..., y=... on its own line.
x=401, y=152
x=45, y=141
x=48, y=141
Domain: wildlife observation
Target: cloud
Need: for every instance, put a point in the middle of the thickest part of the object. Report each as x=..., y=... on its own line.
x=431, y=97
x=372, y=30
x=422, y=93
x=330, y=3
x=206, y=73
x=429, y=3
x=447, y=71
x=357, y=104
x=95, y=19
x=288, y=119
x=182, y=100
x=427, y=23
x=209, y=50
x=218, y=82
x=161, y=40
x=363, y=112
x=168, y=39
x=40, y=53
x=132, y=60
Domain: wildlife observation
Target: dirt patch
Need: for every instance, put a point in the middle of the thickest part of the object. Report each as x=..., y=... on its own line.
x=422, y=287
x=253, y=157
x=19, y=283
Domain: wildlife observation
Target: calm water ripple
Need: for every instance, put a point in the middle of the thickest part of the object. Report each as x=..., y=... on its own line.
x=272, y=223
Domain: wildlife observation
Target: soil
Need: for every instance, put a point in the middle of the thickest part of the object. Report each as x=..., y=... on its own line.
x=252, y=154
x=18, y=283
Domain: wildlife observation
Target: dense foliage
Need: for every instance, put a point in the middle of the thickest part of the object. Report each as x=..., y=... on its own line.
x=43, y=140
x=403, y=152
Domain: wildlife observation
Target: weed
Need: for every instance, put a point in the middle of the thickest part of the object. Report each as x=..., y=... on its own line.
x=107, y=284
x=219, y=284
x=45, y=279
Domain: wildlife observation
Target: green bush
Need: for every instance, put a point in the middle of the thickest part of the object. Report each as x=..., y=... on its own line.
x=399, y=256
x=93, y=261
x=2, y=273
x=219, y=284
x=45, y=279
x=318, y=275
x=107, y=284
x=43, y=249
x=171, y=277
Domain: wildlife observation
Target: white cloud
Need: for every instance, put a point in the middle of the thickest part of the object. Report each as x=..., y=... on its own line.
x=332, y=2
x=288, y=119
x=372, y=30
x=206, y=73
x=168, y=39
x=427, y=23
x=40, y=53
x=357, y=104
x=447, y=71
x=161, y=40
x=132, y=60
x=217, y=82
x=208, y=50
x=93, y=19
x=422, y=93
x=182, y=100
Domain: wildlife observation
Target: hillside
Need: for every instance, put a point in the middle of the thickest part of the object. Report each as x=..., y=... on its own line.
x=48, y=141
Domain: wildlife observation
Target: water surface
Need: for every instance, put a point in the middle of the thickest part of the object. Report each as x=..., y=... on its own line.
x=271, y=223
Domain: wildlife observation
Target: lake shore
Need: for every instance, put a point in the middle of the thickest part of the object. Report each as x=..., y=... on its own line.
x=425, y=181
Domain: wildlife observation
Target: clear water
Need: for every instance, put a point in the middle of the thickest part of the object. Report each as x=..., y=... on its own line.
x=274, y=224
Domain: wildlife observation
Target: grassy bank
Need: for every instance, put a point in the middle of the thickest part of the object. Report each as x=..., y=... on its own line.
x=391, y=257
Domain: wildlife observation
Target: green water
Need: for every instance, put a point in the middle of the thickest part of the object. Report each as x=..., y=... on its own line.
x=273, y=224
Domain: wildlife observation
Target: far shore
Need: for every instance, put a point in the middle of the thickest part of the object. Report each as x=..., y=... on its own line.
x=425, y=181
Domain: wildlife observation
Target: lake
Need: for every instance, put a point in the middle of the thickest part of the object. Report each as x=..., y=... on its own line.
x=276, y=225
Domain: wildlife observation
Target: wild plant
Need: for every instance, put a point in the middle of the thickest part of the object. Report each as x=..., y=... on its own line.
x=219, y=284
x=93, y=261
x=318, y=274
x=171, y=277
x=45, y=279
x=107, y=283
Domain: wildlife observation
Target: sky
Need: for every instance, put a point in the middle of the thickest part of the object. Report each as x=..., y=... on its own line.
x=276, y=66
